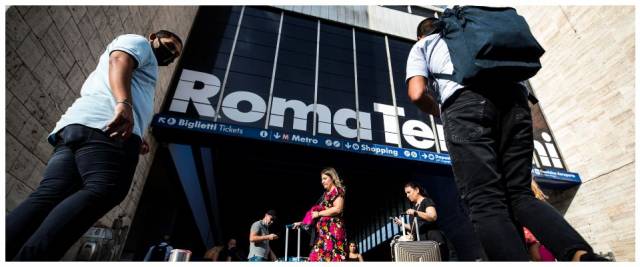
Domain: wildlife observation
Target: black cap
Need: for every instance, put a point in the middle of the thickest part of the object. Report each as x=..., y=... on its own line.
x=272, y=213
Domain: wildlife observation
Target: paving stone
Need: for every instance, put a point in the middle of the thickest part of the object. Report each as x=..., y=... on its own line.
x=31, y=52
x=60, y=15
x=39, y=20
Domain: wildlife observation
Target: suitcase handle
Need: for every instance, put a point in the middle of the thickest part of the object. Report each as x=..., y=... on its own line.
x=286, y=242
x=415, y=223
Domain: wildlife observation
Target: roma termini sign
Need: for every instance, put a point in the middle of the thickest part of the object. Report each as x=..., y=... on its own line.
x=269, y=75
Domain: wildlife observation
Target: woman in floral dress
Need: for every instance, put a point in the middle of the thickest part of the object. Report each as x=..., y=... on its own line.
x=330, y=239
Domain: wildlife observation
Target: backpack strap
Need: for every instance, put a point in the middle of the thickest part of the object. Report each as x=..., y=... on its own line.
x=433, y=76
x=438, y=75
x=443, y=76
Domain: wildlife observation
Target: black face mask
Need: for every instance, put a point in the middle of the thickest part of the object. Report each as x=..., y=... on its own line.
x=163, y=54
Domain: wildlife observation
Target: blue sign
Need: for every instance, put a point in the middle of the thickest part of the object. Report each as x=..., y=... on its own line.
x=548, y=177
x=557, y=179
x=191, y=124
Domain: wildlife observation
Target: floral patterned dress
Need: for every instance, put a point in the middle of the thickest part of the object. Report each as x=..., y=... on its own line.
x=331, y=237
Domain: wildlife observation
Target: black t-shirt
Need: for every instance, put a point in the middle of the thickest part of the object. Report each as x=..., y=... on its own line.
x=423, y=226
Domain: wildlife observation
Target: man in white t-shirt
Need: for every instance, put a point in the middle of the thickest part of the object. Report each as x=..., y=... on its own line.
x=97, y=142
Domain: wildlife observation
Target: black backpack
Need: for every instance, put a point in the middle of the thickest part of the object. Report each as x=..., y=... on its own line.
x=488, y=45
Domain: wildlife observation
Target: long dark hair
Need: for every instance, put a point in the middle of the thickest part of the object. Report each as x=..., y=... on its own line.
x=356, y=244
x=418, y=187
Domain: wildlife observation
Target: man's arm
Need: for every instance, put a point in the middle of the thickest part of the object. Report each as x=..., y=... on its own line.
x=417, y=88
x=254, y=237
x=121, y=66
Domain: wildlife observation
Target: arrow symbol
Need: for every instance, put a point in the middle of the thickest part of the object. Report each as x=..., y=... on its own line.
x=348, y=145
x=276, y=135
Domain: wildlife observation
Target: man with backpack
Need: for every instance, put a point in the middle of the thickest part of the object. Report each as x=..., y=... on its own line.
x=160, y=251
x=471, y=62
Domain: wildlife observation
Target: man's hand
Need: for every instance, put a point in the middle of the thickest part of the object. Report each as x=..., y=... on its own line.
x=272, y=236
x=121, y=125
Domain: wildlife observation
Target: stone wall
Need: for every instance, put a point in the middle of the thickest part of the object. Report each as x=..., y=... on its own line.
x=586, y=91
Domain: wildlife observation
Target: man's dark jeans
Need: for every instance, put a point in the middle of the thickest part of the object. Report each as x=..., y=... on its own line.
x=87, y=175
x=489, y=137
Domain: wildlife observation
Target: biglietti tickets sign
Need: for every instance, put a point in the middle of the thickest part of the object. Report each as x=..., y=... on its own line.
x=266, y=74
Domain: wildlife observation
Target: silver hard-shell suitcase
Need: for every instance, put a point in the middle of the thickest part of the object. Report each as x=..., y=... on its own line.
x=414, y=250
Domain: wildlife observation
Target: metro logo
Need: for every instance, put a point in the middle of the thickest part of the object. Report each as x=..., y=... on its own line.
x=198, y=87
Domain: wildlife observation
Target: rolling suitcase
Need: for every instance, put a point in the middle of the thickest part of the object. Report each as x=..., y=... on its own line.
x=414, y=250
x=286, y=246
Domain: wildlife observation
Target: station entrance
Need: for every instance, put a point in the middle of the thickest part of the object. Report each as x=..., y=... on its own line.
x=238, y=180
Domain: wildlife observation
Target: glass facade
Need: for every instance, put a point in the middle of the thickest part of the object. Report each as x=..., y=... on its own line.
x=373, y=79
x=252, y=65
x=282, y=68
x=336, y=79
x=295, y=71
